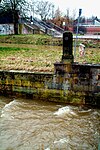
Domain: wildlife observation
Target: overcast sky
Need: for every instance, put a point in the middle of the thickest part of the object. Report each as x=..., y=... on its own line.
x=89, y=7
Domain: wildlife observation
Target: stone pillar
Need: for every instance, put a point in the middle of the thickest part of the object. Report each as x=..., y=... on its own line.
x=63, y=69
x=67, y=47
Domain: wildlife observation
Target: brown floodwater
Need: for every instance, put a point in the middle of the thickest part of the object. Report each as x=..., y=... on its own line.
x=36, y=125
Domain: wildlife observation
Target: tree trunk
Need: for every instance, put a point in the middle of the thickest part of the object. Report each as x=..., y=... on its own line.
x=15, y=21
x=15, y=28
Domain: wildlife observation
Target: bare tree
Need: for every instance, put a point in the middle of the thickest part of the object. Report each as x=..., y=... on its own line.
x=74, y=14
x=44, y=9
x=15, y=7
x=58, y=13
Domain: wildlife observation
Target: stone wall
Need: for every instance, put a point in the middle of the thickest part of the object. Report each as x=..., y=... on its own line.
x=74, y=84
x=34, y=85
x=82, y=81
x=22, y=82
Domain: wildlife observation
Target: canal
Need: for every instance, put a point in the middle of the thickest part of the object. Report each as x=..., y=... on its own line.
x=27, y=124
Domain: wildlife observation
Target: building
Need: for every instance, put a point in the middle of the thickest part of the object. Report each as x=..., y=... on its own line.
x=89, y=26
x=24, y=26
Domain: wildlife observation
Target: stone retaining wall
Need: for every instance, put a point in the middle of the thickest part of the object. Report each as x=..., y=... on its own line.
x=80, y=85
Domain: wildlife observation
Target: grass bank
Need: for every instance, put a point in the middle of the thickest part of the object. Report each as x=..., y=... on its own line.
x=28, y=57
x=35, y=39
x=38, y=39
x=38, y=58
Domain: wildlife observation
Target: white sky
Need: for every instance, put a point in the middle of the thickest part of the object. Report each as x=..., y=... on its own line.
x=89, y=7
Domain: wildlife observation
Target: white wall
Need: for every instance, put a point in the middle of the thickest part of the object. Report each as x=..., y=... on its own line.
x=6, y=29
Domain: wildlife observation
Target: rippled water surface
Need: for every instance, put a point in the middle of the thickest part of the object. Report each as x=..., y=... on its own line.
x=35, y=125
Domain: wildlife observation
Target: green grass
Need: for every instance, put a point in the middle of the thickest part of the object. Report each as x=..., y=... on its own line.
x=39, y=58
x=92, y=55
x=38, y=39
x=32, y=53
x=24, y=39
x=33, y=58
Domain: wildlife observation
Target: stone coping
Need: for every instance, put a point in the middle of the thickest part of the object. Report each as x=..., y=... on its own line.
x=26, y=72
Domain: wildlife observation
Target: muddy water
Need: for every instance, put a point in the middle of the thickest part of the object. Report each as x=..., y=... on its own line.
x=35, y=125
